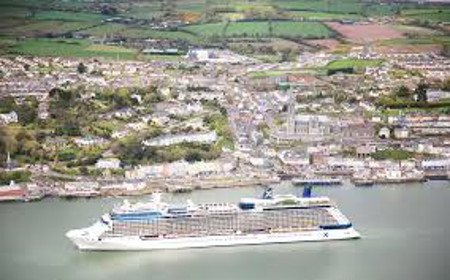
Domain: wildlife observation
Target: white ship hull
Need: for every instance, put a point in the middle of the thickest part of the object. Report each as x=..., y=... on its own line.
x=135, y=243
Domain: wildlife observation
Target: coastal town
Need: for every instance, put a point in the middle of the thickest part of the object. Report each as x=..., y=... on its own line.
x=204, y=122
x=176, y=102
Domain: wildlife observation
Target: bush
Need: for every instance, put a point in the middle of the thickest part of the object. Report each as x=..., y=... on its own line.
x=67, y=155
x=393, y=154
x=16, y=176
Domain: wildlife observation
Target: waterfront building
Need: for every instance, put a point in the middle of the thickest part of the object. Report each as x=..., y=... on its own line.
x=181, y=168
x=435, y=164
x=204, y=137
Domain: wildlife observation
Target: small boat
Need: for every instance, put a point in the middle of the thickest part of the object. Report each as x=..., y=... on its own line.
x=316, y=182
x=363, y=182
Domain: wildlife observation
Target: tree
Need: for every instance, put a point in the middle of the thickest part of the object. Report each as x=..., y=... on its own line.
x=446, y=85
x=270, y=28
x=122, y=98
x=27, y=112
x=193, y=156
x=81, y=68
x=8, y=142
x=69, y=128
x=421, y=92
x=403, y=92
x=109, y=10
x=285, y=55
x=7, y=104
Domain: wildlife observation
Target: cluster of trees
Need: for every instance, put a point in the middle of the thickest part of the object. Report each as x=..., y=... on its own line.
x=133, y=152
x=26, y=111
x=403, y=97
x=71, y=115
x=446, y=85
x=16, y=176
x=66, y=109
x=122, y=97
x=419, y=94
x=19, y=142
x=332, y=71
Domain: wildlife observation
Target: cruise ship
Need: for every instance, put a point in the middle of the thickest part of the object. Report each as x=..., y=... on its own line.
x=156, y=225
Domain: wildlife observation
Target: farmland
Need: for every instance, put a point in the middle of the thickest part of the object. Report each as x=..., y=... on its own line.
x=68, y=48
x=319, y=16
x=301, y=30
x=344, y=6
x=287, y=29
x=206, y=30
x=68, y=16
x=420, y=44
x=354, y=63
x=206, y=23
x=248, y=29
x=41, y=28
x=365, y=32
x=428, y=15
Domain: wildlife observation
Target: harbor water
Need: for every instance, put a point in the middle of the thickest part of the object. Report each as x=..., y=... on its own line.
x=405, y=229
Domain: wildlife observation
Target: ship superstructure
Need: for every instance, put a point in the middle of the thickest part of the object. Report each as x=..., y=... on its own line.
x=270, y=219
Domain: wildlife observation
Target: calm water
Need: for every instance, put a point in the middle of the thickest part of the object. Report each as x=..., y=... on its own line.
x=406, y=234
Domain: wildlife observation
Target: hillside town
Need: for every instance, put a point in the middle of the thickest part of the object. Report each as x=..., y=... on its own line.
x=89, y=127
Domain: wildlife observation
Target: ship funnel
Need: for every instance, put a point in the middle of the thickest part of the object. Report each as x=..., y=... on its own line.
x=307, y=191
x=268, y=193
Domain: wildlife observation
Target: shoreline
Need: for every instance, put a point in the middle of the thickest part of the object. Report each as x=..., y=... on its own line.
x=183, y=186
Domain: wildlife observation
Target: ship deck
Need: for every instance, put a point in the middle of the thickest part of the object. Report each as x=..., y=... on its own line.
x=241, y=222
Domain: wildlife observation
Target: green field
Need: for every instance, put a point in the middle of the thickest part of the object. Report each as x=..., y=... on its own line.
x=301, y=30
x=428, y=15
x=262, y=29
x=322, y=16
x=342, y=6
x=148, y=11
x=355, y=7
x=248, y=29
x=68, y=16
x=13, y=12
x=353, y=63
x=68, y=48
x=138, y=32
x=207, y=30
x=105, y=29
x=444, y=40
x=44, y=27
x=417, y=31
x=156, y=34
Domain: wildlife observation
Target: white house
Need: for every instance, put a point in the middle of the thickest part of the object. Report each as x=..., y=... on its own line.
x=199, y=54
x=89, y=141
x=208, y=137
x=401, y=133
x=384, y=133
x=436, y=164
x=10, y=117
x=181, y=168
x=108, y=163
